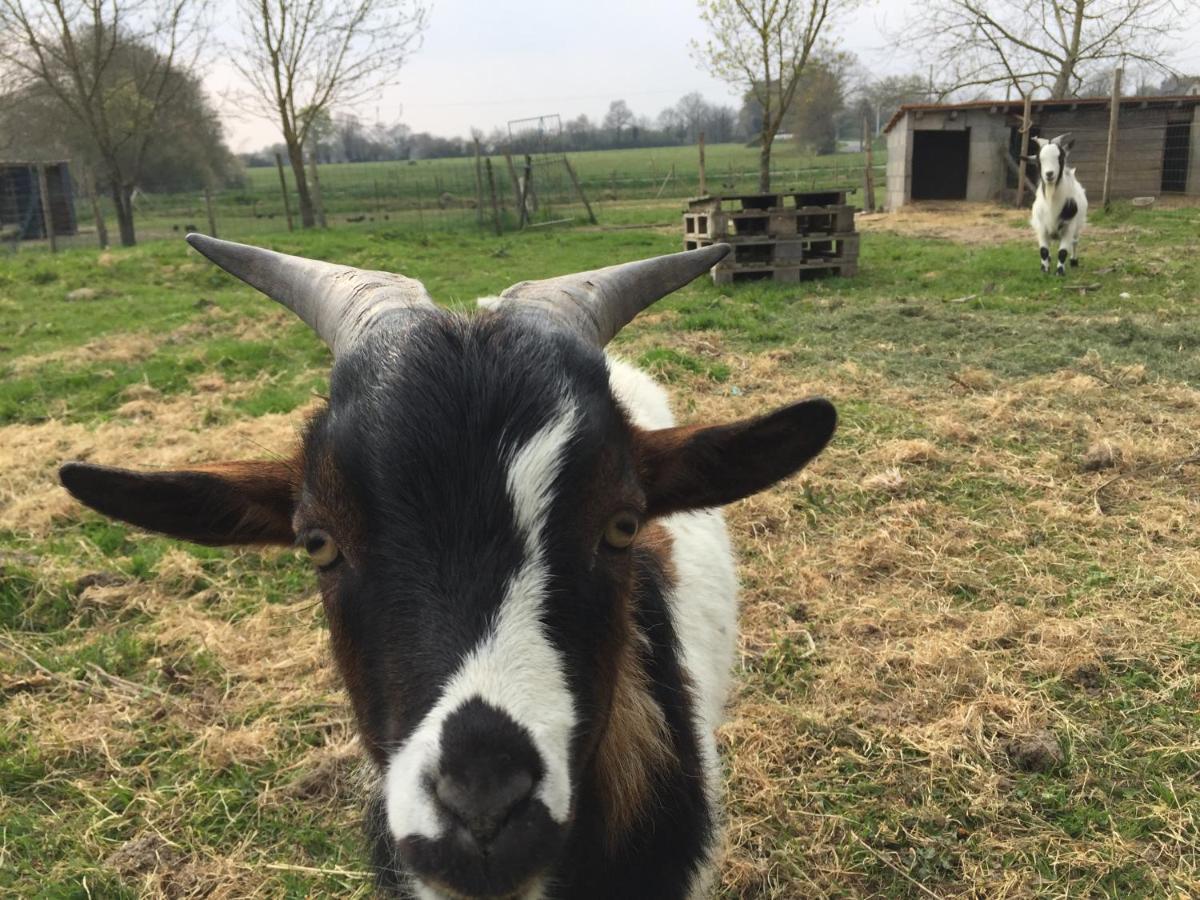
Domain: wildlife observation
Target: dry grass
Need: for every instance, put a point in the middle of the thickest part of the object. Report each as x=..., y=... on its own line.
x=970, y=648
x=907, y=640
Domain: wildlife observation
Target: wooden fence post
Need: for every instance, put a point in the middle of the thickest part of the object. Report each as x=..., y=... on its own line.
x=478, y=185
x=89, y=186
x=212, y=219
x=287, y=204
x=47, y=212
x=703, y=174
x=318, y=201
x=516, y=183
x=526, y=187
x=869, y=170
x=1026, y=125
x=491, y=177
x=1113, y=113
x=579, y=190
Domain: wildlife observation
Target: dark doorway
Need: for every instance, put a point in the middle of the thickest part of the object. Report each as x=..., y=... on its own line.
x=1014, y=151
x=1175, y=158
x=939, y=164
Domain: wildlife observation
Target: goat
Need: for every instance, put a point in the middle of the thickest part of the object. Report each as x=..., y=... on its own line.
x=1060, y=206
x=530, y=591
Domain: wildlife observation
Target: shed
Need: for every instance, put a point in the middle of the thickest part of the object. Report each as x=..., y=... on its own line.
x=21, y=200
x=968, y=151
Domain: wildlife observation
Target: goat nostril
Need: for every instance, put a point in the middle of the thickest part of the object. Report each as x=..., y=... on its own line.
x=483, y=803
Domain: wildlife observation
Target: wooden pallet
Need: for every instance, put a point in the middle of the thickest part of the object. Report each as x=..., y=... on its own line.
x=844, y=268
x=785, y=252
x=779, y=200
x=732, y=226
x=785, y=236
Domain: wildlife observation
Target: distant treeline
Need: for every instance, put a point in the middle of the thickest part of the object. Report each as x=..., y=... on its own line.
x=830, y=105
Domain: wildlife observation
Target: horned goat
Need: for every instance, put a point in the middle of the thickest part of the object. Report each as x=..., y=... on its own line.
x=1060, y=206
x=530, y=593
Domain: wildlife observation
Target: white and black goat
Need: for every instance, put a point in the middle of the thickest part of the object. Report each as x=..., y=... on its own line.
x=531, y=597
x=1060, y=205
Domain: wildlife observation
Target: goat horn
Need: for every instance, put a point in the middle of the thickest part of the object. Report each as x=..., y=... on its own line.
x=339, y=303
x=600, y=303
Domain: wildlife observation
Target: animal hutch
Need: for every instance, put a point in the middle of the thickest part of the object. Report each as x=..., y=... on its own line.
x=21, y=200
x=970, y=151
x=788, y=236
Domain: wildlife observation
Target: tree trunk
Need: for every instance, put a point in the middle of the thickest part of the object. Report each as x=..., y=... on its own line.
x=764, y=164
x=308, y=218
x=1062, y=82
x=122, y=196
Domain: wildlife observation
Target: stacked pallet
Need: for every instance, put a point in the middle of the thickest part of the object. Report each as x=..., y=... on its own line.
x=782, y=237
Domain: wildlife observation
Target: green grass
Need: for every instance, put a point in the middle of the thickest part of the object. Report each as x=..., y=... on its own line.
x=946, y=589
x=437, y=196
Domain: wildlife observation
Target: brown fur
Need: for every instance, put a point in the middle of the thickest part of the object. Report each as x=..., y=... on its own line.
x=269, y=488
x=635, y=745
x=691, y=466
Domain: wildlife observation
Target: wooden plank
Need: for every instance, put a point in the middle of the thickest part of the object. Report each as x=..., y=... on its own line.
x=208, y=206
x=47, y=212
x=579, y=189
x=1114, y=112
x=287, y=203
x=318, y=200
x=491, y=178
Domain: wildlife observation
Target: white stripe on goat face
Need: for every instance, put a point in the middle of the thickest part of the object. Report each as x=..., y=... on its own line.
x=515, y=668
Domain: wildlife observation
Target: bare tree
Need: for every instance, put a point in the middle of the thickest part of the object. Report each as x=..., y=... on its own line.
x=763, y=47
x=693, y=110
x=302, y=58
x=115, y=68
x=618, y=116
x=1053, y=45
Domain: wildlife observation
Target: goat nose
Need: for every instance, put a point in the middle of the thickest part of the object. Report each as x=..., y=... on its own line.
x=482, y=801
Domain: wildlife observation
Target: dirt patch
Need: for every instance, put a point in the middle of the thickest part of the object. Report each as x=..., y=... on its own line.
x=963, y=223
x=144, y=854
x=1039, y=752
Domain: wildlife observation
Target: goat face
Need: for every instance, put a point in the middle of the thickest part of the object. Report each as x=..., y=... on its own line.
x=476, y=502
x=1051, y=158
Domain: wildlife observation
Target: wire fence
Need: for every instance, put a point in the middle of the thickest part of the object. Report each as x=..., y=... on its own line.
x=432, y=196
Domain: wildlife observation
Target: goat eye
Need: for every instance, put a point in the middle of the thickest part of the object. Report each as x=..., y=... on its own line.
x=321, y=548
x=622, y=529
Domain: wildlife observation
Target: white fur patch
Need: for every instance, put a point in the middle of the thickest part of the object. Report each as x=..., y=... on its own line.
x=642, y=398
x=702, y=602
x=515, y=668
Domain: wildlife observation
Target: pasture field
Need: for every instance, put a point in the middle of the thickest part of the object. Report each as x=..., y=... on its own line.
x=436, y=195
x=636, y=172
x=970, y=645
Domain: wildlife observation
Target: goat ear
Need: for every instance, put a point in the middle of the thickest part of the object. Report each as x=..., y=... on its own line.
x=1041, y=142
x=694, y=467
x=222, y=503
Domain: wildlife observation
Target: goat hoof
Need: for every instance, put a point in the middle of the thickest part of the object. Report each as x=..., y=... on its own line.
x=1060, y=271
x=1074, y=264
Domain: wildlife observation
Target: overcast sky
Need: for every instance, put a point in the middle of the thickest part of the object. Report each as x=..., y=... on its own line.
x=484, y=63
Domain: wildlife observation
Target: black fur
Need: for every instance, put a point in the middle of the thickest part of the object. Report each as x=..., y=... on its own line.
x=1045, y=254
x=1069, y=210
x=674, y=838
x=443, y=548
